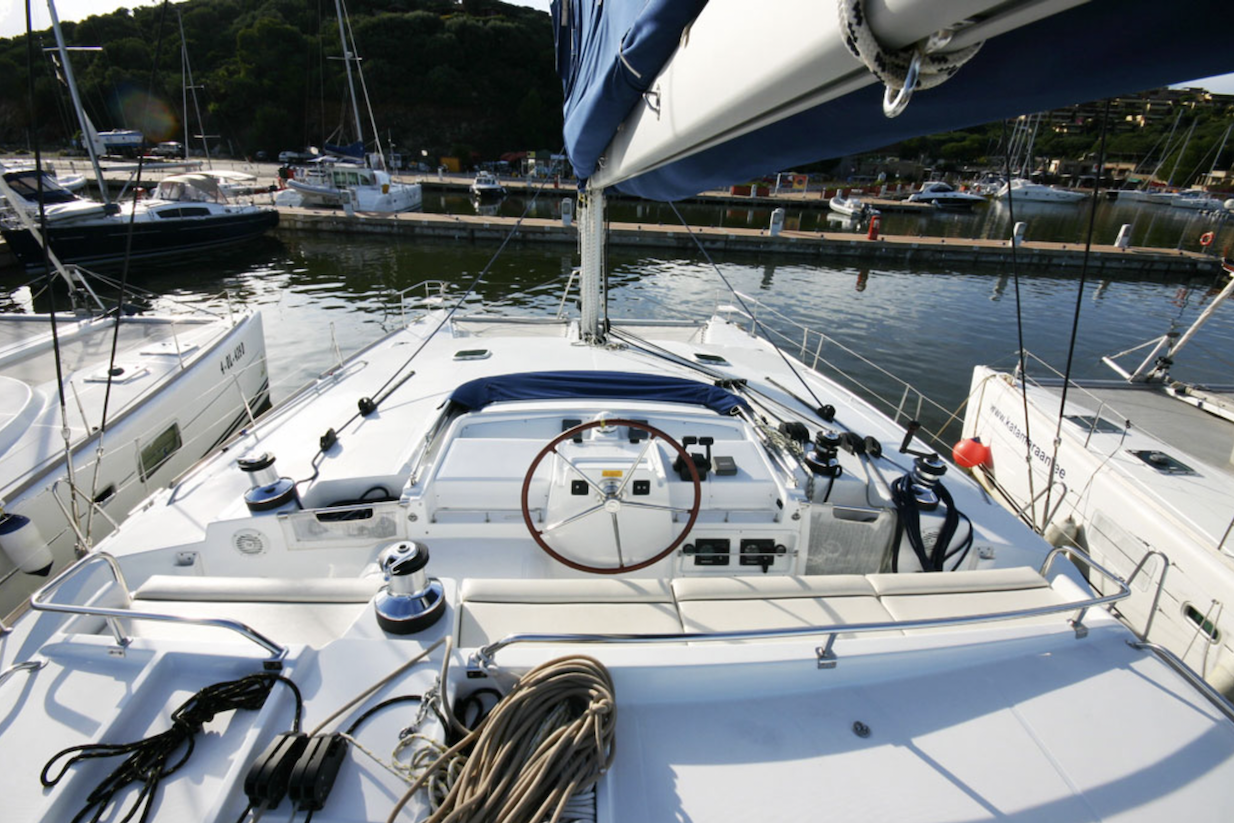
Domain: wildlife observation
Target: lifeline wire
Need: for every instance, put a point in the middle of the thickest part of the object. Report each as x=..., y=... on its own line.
x=1079, y=301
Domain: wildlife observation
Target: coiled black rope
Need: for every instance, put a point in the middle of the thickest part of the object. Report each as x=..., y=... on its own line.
x=150, y=760
x=935, y=558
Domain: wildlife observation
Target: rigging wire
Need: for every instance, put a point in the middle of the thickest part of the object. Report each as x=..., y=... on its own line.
x=398, y=378
x=124, y=269
x=1019, y=330
x=1075, y=321
x=65, y=432
x=737, y=296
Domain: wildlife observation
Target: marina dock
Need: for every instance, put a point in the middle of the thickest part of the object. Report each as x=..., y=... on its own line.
x=830, y=245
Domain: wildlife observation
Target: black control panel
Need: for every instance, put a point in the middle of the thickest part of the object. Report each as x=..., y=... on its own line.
x=709, y=551
x=760, y=552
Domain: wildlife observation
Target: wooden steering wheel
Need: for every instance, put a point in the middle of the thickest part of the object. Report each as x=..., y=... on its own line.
x=613, y=497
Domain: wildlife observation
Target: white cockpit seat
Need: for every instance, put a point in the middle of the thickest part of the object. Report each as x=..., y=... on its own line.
x=286, y=610
x=967, y=593
x=492, y=609
x=720, y=604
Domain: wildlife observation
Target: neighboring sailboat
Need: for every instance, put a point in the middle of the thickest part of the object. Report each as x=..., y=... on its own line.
x=681, y=575
x=1141, y=479
x=85, y=232
x=356, y=179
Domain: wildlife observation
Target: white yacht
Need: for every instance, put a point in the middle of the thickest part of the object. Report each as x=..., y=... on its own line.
x=1025, y=190
x=174, y=389
x=486, y=185
x=188, y=212
x=1142, y=479
x=944, y=196
x=596, y=568
x=332, y=184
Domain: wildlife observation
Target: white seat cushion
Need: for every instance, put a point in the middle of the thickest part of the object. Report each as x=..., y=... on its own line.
x=980, y=580
x=493, y=609
x=772, y=586
x=259, y=589
x=567, y=590
x=956, y=594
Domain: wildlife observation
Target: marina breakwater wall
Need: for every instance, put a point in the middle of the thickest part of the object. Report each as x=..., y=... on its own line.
x=824, y=246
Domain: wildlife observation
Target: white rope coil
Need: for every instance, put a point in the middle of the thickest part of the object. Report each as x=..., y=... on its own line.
x=537, y=754
x=905, y=70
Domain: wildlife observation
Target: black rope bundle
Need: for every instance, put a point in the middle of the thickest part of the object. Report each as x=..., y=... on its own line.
x=934, y=558
x=150, y=760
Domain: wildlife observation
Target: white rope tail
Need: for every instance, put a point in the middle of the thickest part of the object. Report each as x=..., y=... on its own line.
x=902, y=71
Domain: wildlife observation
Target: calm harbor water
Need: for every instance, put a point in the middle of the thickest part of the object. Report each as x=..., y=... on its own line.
x=323, y=296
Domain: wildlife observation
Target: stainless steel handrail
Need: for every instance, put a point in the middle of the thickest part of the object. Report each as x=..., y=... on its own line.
x=28, y=666
x=482, y=658
x=1199, y=683
x=113, y=616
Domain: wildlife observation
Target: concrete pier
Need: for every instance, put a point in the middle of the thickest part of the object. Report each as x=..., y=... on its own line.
x=819, y=245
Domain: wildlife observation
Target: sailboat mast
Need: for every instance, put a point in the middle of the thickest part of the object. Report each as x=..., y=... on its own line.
x=348, y=56
x=591, y=250
x=86, y=128
x=1181, y=152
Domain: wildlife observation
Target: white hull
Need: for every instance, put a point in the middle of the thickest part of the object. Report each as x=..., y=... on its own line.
x=1124, y=507
x=202, y=395
x=395, y=197
x=1025, y=191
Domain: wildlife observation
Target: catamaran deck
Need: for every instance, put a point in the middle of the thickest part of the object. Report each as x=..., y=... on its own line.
x=1151, y=409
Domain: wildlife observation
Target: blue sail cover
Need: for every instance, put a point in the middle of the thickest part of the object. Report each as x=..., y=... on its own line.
x=593, y=385
x=608, y=53
x=355, y=150
x=1095, y=50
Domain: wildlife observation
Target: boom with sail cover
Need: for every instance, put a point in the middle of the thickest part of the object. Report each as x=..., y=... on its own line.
x=738, y=95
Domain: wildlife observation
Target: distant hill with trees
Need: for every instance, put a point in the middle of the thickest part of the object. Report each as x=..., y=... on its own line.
x=444, y=77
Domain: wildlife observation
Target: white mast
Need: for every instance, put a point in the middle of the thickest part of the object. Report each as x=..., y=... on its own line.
x=348, y=56
x=82, y=120
x=591, y=250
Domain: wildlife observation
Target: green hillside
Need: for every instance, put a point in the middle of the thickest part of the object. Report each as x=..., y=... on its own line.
x=443, y=77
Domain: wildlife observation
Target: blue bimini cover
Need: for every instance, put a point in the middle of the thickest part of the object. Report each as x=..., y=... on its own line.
x=594, y=385
x=607, y=55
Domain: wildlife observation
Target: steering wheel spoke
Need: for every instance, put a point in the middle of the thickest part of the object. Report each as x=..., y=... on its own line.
x=613, y=499
x=574, y=518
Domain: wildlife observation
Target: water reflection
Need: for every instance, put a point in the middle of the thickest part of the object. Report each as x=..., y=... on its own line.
x=319, y=291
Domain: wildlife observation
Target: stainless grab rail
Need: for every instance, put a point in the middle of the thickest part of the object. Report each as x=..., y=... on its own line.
x=482, y=659
x=28, y=666
x=1199, y=683
x=113, y=616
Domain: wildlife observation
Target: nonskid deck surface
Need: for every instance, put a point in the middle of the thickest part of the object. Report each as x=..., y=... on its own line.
x=1151, y=409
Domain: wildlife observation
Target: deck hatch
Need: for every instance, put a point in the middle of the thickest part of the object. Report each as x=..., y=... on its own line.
x=1162, y=462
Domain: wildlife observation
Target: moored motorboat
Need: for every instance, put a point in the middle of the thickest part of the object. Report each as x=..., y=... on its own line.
x=486, y=185
x=1027, y=191
x=945, y=196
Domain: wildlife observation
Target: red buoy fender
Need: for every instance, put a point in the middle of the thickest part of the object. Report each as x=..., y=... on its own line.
x=970, y=452
x=1206, y=239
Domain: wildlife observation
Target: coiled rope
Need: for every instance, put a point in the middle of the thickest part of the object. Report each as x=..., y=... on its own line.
x=902, y=71
x=549, y=740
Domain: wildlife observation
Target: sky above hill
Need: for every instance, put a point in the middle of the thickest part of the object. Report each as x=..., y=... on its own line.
x=13, y=22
